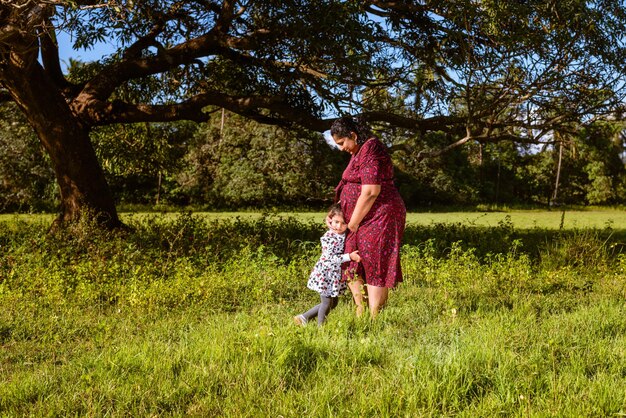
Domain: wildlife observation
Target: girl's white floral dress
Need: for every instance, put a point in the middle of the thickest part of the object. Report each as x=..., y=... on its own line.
x=326, y=275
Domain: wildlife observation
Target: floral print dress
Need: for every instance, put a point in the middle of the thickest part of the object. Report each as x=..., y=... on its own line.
x=326, y=275
x=379, y=236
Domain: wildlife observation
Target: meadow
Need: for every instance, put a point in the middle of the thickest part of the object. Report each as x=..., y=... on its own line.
x=500, y=314
x=597, y=218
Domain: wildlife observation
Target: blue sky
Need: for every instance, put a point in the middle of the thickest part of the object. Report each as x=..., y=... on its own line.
x=66, y=51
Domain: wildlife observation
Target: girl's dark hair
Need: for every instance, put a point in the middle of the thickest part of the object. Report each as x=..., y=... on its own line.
x=347, y=124
x=335, y=209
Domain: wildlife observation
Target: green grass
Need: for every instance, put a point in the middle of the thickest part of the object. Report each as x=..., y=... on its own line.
x=191, y=316
x=414, y=361
x=529, y=219
x=522, y=219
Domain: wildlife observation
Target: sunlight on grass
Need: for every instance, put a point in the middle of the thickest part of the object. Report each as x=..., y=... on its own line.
x=554, y=219
x=191, y=315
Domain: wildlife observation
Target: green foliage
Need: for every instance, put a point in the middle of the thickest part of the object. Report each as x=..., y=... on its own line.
x=602, y=144
x=245, y=164
x=600, y=189
x=191, y=317
x=26, y=179
x=443, y=180
x=242, y=163
x=141, y=160
x=592, y=171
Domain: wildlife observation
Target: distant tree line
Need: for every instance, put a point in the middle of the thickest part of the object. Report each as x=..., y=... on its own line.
x=231, y=162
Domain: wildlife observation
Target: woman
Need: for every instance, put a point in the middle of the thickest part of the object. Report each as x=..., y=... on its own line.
x=374, y=211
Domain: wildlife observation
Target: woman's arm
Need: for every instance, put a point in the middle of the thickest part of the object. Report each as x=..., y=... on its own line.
x=369, y=193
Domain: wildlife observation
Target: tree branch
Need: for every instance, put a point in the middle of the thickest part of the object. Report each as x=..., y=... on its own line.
x=134, y=51
x=102, y=85
x=259, y=108
x=435, y=123
x=226, y=16
x=482, y=138
x=50, y=55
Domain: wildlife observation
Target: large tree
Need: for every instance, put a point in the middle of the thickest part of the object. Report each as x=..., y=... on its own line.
x=273, y=61
x=473, y=70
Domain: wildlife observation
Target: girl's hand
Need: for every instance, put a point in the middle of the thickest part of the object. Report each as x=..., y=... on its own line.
x=354, y=256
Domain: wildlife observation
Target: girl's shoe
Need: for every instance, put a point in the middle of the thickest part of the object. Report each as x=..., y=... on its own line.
x=300, y=320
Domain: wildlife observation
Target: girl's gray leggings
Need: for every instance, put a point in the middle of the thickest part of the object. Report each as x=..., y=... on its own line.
x=321, y=311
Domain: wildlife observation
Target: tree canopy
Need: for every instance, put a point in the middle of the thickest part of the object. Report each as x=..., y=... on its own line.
x=471, y=70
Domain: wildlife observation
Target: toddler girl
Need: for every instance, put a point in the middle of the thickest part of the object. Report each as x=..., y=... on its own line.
x=326, y=276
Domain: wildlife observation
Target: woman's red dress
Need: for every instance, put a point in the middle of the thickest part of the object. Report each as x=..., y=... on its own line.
x=379, y=236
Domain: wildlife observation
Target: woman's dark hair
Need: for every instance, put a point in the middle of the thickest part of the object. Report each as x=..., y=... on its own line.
x=347, y=124
x=335, y=209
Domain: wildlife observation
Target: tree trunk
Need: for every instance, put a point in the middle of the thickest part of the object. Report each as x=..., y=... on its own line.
x=83, y=188
x=558, y=175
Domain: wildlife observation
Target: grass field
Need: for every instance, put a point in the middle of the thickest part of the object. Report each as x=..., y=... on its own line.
x=190, y=315
x=553, y=219
x=528, y=219
x=524, y=219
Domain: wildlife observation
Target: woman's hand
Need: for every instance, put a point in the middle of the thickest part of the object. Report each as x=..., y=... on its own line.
x=353, y=227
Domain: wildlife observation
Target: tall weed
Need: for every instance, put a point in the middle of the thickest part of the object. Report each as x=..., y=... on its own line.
x=589, y=247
